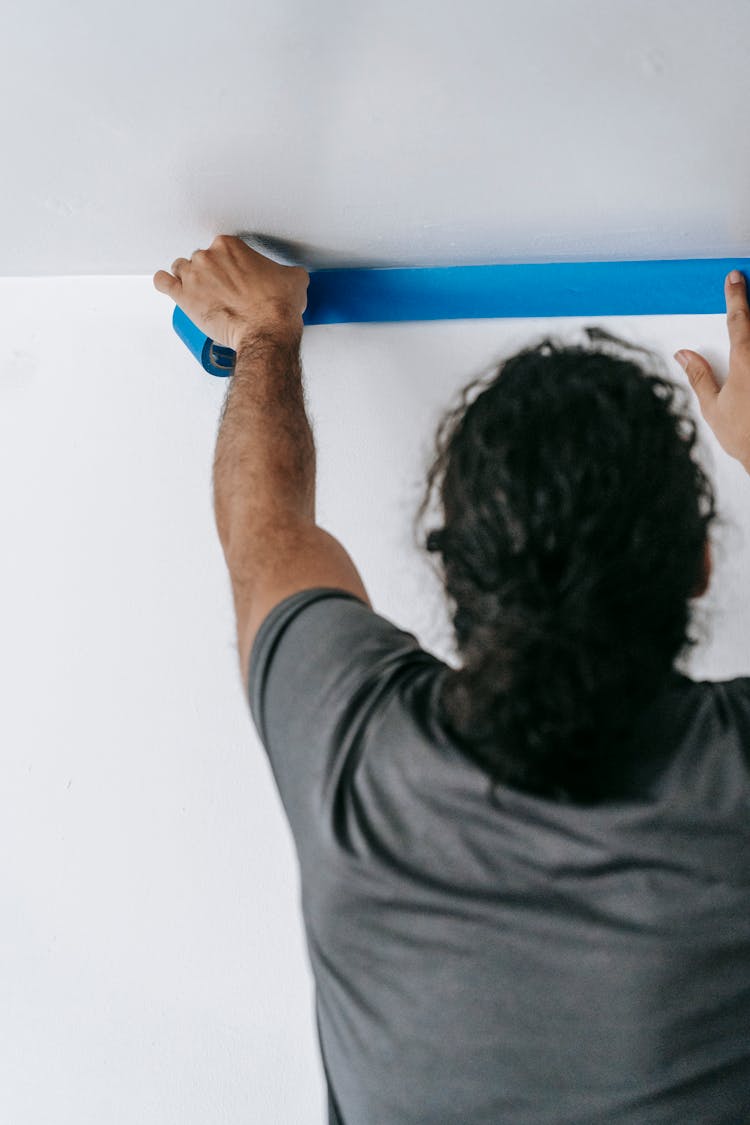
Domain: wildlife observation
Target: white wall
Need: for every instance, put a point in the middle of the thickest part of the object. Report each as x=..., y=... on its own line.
x=396, y=131
x=152, y=959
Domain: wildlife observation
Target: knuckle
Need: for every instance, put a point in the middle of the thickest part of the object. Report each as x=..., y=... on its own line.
x=738, y=315
x=696, y=371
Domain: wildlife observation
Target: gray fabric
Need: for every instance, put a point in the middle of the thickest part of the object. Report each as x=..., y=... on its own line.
x=534, y=964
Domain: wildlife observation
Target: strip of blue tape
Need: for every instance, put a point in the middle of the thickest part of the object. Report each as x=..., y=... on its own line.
x=549, y=289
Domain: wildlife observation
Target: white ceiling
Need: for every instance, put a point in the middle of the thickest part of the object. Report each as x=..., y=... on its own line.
x=393, y=133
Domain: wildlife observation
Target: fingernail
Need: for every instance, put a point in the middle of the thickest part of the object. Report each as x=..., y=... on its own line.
x=681, y=359
x=735, y=276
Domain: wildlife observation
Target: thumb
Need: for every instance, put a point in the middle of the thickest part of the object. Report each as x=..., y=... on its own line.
x=165, y=283
x=702, y=379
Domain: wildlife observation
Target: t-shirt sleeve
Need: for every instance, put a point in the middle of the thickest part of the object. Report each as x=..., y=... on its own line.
x=734, y=709
x=323, y=664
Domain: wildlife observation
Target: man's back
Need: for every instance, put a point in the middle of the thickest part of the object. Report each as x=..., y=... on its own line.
x=522, y=961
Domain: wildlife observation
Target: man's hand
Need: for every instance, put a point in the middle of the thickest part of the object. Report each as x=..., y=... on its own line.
x=727, y=409
x=231, y=291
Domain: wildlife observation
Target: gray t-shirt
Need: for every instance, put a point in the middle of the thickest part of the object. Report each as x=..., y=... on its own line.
x=530, y=964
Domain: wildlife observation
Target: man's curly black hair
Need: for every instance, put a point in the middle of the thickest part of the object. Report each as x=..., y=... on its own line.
x=574, y=525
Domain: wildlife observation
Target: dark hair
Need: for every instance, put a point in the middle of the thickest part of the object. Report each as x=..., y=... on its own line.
x=574, y=524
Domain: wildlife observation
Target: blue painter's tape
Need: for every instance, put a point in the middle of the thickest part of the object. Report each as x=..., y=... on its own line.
x=549, y=289
x=215, y=359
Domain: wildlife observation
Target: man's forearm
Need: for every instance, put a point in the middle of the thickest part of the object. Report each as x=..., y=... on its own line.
x=264, y=466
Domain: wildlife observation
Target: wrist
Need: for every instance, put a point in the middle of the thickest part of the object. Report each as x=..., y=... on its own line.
x=285, y=329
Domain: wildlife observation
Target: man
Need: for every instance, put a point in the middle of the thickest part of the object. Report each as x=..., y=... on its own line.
x=532, y=961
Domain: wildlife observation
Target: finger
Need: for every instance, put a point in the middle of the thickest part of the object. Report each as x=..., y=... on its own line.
x=702, y=380
x=178, y=265
x=738, y=313
x=165, y=283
